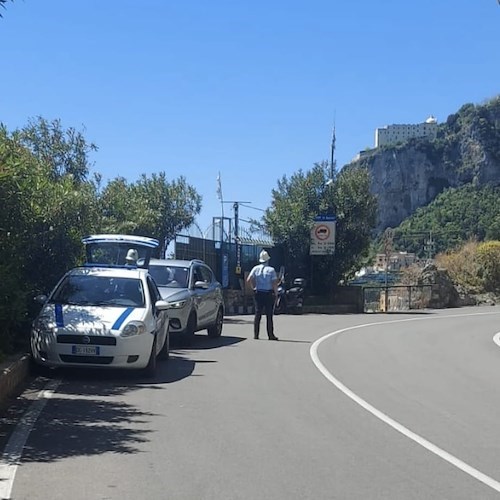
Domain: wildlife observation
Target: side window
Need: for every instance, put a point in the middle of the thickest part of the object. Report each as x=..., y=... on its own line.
x=197, y=274
x=153, y=291
x=206, y=274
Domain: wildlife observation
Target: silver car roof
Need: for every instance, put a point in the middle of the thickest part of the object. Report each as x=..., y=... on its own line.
x=174, y=262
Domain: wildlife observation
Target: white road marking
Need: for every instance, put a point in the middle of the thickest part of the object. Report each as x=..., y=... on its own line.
x=13, y=451
x=488, y=481
x=496, y=339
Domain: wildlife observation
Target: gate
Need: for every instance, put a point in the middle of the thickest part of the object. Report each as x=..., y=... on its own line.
x=396, y=298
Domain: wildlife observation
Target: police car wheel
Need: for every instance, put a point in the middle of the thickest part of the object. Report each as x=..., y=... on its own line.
x=164, y=354
x=150, y=370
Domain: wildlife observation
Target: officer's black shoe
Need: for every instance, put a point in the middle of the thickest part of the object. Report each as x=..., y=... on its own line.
x=273, y=338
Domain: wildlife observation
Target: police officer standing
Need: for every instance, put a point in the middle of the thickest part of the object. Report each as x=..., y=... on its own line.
x=264, y=281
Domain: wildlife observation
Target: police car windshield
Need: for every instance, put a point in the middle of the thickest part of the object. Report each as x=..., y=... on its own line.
x=86, y=290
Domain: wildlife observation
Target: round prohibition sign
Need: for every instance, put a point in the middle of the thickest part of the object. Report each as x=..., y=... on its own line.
x=322, y=232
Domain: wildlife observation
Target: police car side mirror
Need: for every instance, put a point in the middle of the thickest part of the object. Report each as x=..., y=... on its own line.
x=162, y=305
x=40, y=299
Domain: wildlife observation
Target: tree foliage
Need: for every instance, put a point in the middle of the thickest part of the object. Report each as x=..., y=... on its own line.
x=64, y=151
x=40, y=227
x=474, y=266
x=454, y=217
x=150, y=206
x=2, y=4
x=296, y=202
x=49, y=203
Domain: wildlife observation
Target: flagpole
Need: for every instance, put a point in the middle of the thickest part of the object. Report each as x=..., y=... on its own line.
x=223, y=256
x=221, y=199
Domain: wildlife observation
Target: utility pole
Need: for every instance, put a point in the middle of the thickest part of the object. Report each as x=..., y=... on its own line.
x=388, y=241
x=236, y=207
x=429, y=247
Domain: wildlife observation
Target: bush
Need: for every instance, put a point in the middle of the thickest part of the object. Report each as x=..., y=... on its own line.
x=488, y=256
x=475, y=267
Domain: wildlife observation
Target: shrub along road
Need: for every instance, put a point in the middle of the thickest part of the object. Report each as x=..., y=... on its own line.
x=235, y=418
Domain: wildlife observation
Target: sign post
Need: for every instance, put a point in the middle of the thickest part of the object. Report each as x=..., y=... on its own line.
x=323, y=235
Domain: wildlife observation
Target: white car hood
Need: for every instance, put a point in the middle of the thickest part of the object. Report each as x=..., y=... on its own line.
x=89, y=320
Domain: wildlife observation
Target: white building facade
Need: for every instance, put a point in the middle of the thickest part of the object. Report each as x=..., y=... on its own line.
x=393, y=134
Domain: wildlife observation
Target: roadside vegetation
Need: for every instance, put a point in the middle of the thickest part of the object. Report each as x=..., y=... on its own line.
x=298, y=199
x=453, y=218
x=474, y=268
x=50, y=201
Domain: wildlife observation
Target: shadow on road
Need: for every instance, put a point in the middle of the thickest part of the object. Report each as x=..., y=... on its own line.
x=238, y=320
x=104, y=382
x=77, y=427
x=89, y=413
x=202, y=341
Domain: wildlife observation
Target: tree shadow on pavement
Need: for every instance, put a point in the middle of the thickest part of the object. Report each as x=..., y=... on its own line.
x=77, y=427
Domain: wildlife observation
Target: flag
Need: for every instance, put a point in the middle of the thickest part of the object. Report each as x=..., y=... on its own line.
x=219, y=188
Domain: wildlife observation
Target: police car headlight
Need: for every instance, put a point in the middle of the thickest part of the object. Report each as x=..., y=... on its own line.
x=178, y=304
x=133, y=328
x=43, y=326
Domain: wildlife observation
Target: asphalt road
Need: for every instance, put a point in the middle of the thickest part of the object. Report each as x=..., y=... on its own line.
x=391, y=407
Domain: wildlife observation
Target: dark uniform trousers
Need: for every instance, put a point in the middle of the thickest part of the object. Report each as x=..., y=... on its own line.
x=264, y=304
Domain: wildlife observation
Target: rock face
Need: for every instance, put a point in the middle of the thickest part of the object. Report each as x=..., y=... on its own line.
x=410, y=175
x=444, y=293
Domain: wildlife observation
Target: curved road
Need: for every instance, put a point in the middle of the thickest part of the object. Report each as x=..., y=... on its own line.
x=342, y=407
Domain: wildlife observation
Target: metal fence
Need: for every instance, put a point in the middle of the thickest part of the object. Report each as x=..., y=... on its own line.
x=396, y=298
x=225, y=258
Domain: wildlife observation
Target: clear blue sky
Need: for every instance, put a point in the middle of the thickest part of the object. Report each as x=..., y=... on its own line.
x=250, y=89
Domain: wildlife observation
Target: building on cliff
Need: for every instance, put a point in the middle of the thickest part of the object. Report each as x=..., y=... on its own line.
x=393, y=134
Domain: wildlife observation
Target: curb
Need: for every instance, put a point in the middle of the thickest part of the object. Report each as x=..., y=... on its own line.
x=12, y=375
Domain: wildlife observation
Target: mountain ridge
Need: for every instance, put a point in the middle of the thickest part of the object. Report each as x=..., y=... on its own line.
x=410, y=175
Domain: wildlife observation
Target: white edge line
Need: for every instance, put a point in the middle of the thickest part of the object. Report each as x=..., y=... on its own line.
x=496, y=339
x=13, y=451
x=488, y=481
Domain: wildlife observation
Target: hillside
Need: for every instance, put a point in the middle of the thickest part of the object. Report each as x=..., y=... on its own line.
x=457, y=215
x=412, y=174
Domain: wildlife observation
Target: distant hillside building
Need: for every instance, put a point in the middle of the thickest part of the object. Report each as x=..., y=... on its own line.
x=392, y=134
x=396, y=262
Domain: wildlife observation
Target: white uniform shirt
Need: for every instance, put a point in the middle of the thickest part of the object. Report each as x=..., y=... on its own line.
x=264, y=277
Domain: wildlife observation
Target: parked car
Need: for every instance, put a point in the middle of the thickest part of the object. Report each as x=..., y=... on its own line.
x=194, y=296
x=107, y=313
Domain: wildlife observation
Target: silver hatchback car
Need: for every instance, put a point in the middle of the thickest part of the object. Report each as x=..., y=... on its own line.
x=194, y=296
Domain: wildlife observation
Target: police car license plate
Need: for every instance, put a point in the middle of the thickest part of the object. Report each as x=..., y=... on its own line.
x=85, y=350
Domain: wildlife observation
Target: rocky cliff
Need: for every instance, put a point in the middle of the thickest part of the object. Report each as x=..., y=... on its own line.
x=410, y=175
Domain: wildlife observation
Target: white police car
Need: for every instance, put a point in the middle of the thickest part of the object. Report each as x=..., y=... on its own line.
x=107, y=313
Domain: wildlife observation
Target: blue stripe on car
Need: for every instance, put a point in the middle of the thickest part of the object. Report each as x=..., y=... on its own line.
x=59, y=315
x=123, y=316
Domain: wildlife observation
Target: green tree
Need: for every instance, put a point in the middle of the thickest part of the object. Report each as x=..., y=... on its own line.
x=305, y=195
x=488, y=255
x=2, y=4
x=152, y=206
x=65, y=151
x=41, y=224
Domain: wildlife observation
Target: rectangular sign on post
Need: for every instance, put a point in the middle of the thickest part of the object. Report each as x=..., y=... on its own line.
x=323, y=235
